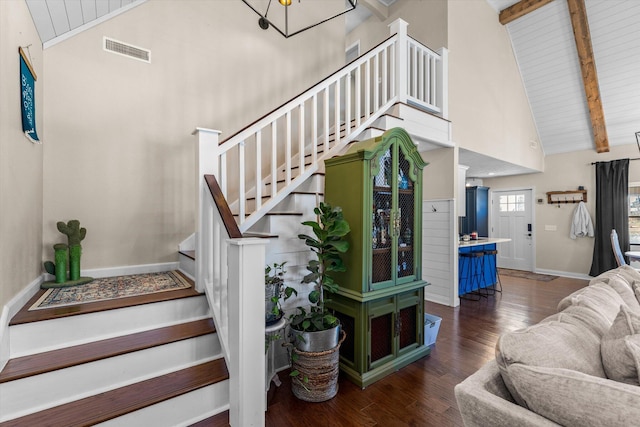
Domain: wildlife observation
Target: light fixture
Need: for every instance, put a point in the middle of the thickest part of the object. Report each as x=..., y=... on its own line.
x=296, y=17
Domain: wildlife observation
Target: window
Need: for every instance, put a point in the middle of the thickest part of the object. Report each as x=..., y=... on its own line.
x=515, y=203
x=634, y=213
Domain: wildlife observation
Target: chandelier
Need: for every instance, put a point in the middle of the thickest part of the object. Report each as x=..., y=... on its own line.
x=293, y=17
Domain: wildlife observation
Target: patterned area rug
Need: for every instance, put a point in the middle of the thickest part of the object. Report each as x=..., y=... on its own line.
x=526, y=275
x=111, y=288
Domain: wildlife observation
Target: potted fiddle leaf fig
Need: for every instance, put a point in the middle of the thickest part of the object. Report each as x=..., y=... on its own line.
x=315, y=330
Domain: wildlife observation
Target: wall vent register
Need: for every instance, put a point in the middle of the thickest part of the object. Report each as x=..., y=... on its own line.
x=124, y=49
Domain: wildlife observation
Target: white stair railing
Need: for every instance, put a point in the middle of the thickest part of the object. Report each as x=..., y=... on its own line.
x=229, y=271
x=261, y=164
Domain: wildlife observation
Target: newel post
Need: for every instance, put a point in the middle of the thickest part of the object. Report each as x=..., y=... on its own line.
x=442, y=82
x=246, y=293
x=399, y=27
x=206, y=164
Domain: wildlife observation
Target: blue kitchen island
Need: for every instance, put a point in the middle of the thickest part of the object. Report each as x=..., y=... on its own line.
x=477, y=268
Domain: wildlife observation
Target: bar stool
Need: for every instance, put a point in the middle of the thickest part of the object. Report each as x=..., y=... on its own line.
x=491, y=255
x=475, y=275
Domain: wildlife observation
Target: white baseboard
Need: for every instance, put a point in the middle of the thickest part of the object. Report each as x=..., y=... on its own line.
x=188, y=244
x=10, y=310
x=569, y=274
x=438, y=299
x=20, y=300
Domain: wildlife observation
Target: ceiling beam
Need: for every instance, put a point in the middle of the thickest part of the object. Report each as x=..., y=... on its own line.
x=582, y=36
x=520, y=9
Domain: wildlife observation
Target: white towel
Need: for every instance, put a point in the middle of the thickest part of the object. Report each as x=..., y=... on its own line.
x=581, y=226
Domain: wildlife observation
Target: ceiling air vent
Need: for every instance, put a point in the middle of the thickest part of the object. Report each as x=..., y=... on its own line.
x=114, y=46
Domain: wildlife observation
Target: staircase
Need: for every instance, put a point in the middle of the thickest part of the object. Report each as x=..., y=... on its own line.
x=163, y=360
x=138, y=361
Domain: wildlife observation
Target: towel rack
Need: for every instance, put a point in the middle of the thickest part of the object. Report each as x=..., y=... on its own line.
x=573, y=196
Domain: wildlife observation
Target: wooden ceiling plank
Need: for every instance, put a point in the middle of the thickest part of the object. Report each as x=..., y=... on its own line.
x=520, y=9
x=582, y=35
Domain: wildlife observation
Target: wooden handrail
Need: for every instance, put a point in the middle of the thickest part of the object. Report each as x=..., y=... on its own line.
x=223, y=207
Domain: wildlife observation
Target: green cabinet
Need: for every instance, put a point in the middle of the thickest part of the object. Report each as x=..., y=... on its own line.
x=378, y=185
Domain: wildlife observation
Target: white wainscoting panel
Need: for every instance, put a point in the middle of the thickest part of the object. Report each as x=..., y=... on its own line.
x=439, y=251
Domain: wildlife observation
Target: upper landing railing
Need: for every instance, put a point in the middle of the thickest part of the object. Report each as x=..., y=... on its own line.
x=262, y=163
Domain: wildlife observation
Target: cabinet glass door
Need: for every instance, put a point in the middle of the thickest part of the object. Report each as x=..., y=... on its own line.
x=405, y=221
x=381, y=225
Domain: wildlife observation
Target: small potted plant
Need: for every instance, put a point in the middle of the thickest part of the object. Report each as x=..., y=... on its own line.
x=273, y=282
x=315, y=330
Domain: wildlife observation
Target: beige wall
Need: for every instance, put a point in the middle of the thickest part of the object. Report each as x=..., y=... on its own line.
x=427, y=24
x=120, y=155
x=554, y=249
x=439, y=180
x=20, y=159
x=487, y=102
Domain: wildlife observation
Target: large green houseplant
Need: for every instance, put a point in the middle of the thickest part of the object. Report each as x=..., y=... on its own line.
x=315, y=330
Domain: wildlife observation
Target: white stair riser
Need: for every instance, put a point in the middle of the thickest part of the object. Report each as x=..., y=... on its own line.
x=32, y=394
x=298, y=202
x=36, y=337
x=180, y=411
x=187, y=265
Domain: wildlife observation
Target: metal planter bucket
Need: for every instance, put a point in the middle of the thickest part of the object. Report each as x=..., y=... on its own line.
x=317, y=379
x=316, y=341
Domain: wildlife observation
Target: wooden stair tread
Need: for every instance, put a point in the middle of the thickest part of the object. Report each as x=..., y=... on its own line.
x=260, y=235
x=219, y=420
x=191, y=254
x=26, y=316
x=114, y=403
x=36, y=364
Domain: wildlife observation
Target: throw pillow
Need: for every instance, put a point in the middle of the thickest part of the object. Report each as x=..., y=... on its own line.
x=620, y=348
x=572, y=398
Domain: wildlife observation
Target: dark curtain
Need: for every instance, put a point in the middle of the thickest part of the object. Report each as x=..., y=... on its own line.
x=612, y=189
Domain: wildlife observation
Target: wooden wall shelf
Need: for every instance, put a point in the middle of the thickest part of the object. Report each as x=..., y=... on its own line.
x=573, y=196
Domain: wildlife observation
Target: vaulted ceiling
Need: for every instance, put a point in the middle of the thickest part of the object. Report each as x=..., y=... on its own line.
x=545, y=49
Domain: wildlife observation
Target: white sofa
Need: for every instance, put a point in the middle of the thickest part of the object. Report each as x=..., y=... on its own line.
x=578, y=367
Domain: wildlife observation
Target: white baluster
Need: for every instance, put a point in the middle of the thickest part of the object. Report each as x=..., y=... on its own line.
x=336, y=109
x=301, y=139
x=358, y=100
x=385, y=76
x=287, y=151
x=274, y=159
x=367, y=89
x=347, y=105
x=314, y=128
x=242, y=199
x=376, y=83
x=258, y=182
x=325, y=120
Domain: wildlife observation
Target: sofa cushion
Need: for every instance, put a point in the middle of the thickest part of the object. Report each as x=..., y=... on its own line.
x=620, y=348
x=599, y=297
x=568, y=340
x=572, y=398
x=625, y=272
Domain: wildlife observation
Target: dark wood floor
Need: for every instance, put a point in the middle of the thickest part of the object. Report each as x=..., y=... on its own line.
x=421, y=394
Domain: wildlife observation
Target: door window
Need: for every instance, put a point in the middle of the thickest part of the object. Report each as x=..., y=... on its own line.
x=512, y=203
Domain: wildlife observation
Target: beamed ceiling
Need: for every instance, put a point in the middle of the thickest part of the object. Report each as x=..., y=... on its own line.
x=565, y=108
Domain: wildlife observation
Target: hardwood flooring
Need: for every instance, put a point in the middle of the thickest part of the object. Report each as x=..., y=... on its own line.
x=421, y=394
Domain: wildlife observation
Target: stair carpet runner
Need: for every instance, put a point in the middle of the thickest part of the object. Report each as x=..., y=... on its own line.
x=111, y=404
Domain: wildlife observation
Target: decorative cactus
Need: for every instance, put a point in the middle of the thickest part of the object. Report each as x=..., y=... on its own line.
x=67, y=255
x=72, y=229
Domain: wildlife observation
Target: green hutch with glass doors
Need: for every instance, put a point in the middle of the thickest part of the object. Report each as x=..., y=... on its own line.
x=378, y=185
